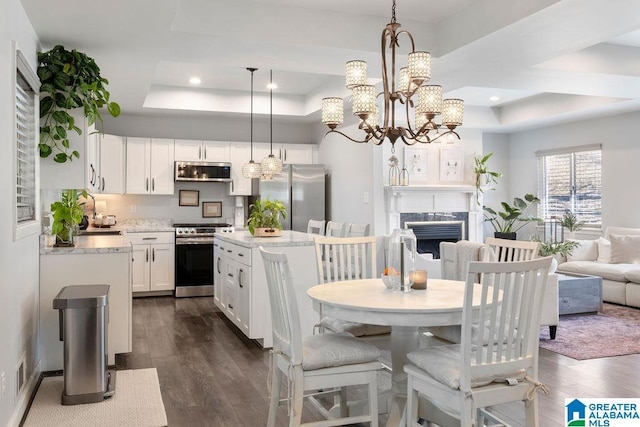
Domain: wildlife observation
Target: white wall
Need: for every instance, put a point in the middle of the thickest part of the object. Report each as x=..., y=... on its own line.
x=620, y=156
x=19, y=259
x=498, y=144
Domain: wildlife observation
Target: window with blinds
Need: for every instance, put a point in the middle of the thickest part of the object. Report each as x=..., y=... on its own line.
x=571, y=179
x=26, y=144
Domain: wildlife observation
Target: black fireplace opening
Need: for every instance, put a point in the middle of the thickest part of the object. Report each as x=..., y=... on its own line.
x=432, y=228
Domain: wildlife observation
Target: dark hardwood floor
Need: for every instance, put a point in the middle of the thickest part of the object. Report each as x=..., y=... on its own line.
x=211, y=375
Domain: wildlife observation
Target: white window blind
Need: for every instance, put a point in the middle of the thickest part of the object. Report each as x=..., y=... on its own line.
x=571, y=179
x=25, y=150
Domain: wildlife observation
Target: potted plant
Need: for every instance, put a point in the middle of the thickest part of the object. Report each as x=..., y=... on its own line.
x=69, y=80
x=556, y=249
x=68, y=213
x=264, y=219
x=484, y=176
x=571, y=223
x=512, y=217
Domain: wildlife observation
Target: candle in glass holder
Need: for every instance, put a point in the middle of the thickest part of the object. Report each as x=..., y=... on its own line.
x=419, y=279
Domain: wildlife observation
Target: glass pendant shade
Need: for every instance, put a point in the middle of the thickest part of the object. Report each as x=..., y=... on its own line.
x=403, y=80
x=364, y=99
x=452, y=112
x=332, y=111
x=372, y=120
x=430, y=99
x=251, y=170
x=421, y=119
x=356, y=73
x=271, y=165
x=419, y=66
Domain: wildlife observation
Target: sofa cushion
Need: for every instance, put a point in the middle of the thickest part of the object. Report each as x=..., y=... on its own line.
x=625, y=249
x=633, y=276
x=614, y=272
x=587, y=250
x=604, y=250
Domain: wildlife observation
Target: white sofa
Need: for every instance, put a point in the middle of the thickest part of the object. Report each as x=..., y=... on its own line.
x=614, y=257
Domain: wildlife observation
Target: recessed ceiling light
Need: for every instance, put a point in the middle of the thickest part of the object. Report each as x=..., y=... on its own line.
x=195, y=80
x=272, y=86
x=494, y=98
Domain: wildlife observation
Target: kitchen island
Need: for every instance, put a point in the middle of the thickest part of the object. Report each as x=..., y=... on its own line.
x=240, y=284
x=94, y=260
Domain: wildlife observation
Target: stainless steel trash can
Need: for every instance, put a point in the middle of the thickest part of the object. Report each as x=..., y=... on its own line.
x=84, y=312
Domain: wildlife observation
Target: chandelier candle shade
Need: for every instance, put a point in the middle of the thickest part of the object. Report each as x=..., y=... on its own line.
x=251, y=169
x=271, y=165
x=410, y=81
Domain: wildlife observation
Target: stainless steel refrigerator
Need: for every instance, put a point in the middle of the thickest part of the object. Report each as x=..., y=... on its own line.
x=302, y=189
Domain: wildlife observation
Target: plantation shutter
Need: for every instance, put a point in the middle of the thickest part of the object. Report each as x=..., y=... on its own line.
x=25, y=150
x=571, y=179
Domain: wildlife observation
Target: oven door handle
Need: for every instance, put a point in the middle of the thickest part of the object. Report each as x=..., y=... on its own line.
x=194, y=242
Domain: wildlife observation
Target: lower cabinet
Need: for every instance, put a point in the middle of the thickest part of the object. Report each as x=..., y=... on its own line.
x=240, y=287
x=153, y=266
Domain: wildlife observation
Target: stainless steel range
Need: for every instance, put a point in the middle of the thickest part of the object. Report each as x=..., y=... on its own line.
x=194, y=258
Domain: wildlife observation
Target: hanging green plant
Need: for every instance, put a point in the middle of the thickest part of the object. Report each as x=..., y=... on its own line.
x=70, y=79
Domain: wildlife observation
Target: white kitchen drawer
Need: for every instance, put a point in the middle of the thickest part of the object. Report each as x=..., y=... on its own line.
x=238, y=253
x=147, y=238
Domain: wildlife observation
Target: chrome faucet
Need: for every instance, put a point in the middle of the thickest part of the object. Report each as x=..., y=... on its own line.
x=94, y=205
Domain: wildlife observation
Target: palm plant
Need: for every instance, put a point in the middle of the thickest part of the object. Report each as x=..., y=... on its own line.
x=513, y=216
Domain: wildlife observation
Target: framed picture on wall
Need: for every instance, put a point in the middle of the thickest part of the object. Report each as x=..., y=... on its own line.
x=211, y=209
x=189, y=198
x=451, y=165
x=415, y=159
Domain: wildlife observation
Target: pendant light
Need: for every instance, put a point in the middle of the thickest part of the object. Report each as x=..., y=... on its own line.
x=271, y=165
x=251, y=169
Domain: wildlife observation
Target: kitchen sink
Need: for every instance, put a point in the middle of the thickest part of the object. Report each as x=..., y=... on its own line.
x=98, y=232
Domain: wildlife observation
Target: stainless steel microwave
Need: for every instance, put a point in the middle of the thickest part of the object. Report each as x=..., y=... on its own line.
x=203, y=171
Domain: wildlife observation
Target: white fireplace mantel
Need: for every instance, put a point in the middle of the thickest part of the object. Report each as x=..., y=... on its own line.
x=434, y=198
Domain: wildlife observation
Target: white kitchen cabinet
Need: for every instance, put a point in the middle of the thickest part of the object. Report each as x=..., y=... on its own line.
x=60, y=270
x=150, y=166
x=288, y=153
x=218, y=272
x=187, y=150
x=243, y=295
x=110, y=165
x=153, y=261
x=240, y=153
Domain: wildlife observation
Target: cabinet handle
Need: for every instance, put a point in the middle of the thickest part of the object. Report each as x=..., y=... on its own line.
x=149, y=238
x=103, y=183
x=230, y=306
x=240, y=254
x=218, y=265
x=280, y=153
x=200, y=153
x=285, y=155
x=93, y=175
x=146, y=185
x=205, y=152
x=153, y=184
x=229, y=251
x=240, y=276
x=147, y=254
x=153, y=254
x=232, y=190
x=229, y=274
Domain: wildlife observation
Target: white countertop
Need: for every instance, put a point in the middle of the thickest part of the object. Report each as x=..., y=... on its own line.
x=288, y=238
x=87, y=245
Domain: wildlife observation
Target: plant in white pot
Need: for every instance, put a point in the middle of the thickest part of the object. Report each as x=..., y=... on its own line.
x=484, y=177
x=571, y=223
x=265, y=217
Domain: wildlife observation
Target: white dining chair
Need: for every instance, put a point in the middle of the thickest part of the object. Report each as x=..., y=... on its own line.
x=316, y=226
x=505, y=250
x=358, y=230
x=347, y=258
x=336, y=229
x=496, y=362
x=324, y=361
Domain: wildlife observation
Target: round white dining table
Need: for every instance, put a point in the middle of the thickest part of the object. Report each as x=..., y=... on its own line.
x=369, y=301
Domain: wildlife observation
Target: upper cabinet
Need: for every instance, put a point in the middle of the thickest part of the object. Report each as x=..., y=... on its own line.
x=240, y=153
x=187, y=150
x=288, y=153
x=150, y=166
x=100, y=168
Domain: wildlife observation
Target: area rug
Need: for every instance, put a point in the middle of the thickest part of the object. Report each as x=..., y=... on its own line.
x=615, y=331
x=137, y=402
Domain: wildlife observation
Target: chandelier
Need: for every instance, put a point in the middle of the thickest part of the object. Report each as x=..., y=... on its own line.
x=251, y=169
x=410, y=85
